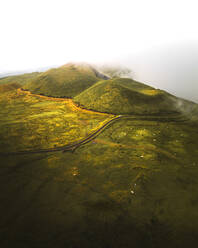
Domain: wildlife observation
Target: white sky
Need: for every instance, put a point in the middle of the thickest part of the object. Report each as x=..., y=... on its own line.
x=38, y=33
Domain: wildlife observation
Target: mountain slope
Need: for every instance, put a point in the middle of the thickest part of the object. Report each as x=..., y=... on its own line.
x=126, y=96
x=136, y=182
x=9, y=87
x=134, y=185
x=20, y=79
x=92, y=90
x=65, y=81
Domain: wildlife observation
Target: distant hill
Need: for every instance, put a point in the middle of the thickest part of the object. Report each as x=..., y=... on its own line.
x=66, y=81
x=20, y=79
x=27, y=71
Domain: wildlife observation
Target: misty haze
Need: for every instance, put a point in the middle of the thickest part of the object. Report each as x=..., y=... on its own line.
x=173, y=68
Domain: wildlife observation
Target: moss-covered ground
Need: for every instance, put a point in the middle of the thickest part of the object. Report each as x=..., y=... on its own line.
x=135, y=185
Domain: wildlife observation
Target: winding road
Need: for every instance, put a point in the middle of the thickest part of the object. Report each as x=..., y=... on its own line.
x=73, y=146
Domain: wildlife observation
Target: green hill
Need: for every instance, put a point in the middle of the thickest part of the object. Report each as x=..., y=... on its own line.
x=126, y=96
x=65, y=81
x=20, y=79
x=92, y=90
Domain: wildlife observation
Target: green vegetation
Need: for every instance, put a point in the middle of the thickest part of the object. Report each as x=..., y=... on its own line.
x=83, y=83
x=38, y=122
x=135, y=185
x=19, y=79
x=65, y=81
x=126, y=96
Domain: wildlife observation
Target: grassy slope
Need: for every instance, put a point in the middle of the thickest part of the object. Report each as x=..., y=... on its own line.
x=65, y=81
x=119, y=96
x=20, y=79
x=39, y=122
x=134, y=186
x=125, y=96
x=9, y=87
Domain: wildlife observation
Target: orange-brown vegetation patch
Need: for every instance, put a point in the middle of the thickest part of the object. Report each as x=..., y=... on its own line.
x=69, y=102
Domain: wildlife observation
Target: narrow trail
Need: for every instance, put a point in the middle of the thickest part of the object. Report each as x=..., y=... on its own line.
x=73, y=146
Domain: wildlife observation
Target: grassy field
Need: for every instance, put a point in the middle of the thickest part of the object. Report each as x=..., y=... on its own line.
x=33, y=121
x=135, y=185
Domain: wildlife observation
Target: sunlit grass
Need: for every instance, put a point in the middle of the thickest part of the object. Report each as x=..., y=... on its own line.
x=151, y=92
x=44, y=122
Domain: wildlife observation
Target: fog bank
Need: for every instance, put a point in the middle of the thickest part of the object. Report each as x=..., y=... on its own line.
x=173, y=68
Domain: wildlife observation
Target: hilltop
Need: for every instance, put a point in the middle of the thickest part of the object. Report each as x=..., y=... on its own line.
x=126, y=96
x=65, y=81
